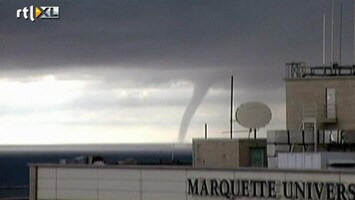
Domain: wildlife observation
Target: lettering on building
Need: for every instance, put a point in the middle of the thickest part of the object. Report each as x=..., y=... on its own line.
x=270, y=189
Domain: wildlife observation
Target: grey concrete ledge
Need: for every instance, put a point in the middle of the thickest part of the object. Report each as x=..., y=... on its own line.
x=191, y=168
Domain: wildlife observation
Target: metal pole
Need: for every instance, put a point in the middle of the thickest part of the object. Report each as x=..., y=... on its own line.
x=173, y=154
x=316, y=128
x=341, y=32
x=254, y=133
x=205, y=131
x=332, y=37
x=354, y=31
x=324, y=47
x=231, y=111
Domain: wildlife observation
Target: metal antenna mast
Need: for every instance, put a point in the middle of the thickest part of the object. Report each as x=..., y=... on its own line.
x=324, y=47
x=340, y=32
x=231, y=117
x=354, y=31
x=332, y=37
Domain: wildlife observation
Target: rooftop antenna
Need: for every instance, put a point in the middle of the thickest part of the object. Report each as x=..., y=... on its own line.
x=173, y=154
x=231, y=111
x=341, y=32
x=324, y=47
x=206, y=131
x=332, y=37
x=253, y=115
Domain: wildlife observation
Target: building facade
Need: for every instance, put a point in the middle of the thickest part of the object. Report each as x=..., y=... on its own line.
x=90, y=182
x=320, y=97
x=229, y=153
x=330, y=101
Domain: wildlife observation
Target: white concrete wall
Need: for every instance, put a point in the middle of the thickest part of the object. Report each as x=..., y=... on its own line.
x=88, y=184
x=313, y=160
x=306, y=160
x=216, y=153
x=148, y=183
x=110, y=184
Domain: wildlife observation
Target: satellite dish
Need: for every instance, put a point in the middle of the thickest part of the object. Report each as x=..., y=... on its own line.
x=253, y=115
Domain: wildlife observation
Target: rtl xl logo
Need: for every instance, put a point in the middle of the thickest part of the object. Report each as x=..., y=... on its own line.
x=41, y=12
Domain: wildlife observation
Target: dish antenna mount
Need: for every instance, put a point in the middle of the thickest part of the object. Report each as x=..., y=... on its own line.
x=253, y=115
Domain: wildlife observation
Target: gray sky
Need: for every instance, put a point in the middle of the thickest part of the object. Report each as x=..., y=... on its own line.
x=125, y=70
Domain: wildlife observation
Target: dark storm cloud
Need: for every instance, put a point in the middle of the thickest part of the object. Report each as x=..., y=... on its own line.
x=250, y=38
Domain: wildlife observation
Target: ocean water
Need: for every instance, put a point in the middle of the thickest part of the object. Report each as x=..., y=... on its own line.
x=14, y=170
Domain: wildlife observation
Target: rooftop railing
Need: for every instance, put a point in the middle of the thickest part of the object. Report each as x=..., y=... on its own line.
x=301, y=70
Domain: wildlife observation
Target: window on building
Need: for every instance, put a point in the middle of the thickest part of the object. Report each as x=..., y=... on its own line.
x=330, y=103
x=257, y=156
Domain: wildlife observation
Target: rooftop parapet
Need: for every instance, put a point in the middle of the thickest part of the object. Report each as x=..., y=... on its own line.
x=301, y=70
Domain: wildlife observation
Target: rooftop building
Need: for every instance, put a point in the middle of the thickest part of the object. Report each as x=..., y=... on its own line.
x=320, y=98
